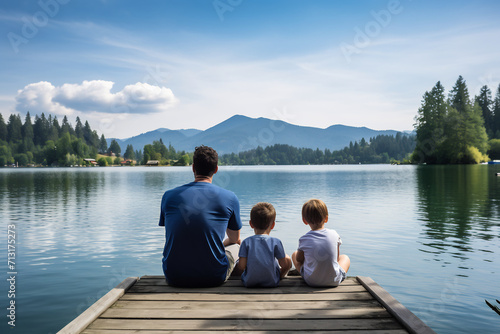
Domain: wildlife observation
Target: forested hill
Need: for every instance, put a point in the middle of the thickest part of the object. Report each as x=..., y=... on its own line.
x=381, y=149
x=47, y=142
x=458, y=129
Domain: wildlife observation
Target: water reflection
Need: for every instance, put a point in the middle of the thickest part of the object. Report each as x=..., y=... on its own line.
x=457, y=205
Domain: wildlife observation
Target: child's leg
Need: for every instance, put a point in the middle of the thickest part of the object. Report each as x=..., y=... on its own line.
x=344, y=262
x=296, y=262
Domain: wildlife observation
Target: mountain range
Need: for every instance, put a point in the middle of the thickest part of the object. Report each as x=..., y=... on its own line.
x=241, y=133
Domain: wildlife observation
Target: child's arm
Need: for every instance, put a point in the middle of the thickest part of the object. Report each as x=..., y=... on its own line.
x=240, y=266
x=285, y=264
x=298, y=259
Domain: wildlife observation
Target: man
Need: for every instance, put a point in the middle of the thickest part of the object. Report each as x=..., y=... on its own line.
x=196, y=217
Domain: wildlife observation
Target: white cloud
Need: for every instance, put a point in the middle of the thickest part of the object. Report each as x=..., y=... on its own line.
x=94, y=95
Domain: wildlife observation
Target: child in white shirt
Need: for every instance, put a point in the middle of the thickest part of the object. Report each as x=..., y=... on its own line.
x=318, y=258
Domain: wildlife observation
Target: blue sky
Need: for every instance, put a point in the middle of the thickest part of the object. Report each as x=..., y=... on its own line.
x=133, y=66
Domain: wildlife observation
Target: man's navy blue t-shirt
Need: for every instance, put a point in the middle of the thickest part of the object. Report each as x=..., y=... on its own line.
x=196, y=216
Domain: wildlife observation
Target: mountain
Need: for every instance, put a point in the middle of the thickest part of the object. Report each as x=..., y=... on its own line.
x=241, y=133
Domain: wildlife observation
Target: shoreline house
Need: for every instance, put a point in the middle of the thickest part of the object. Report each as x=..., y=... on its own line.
x=91, y=161
x=152, y=163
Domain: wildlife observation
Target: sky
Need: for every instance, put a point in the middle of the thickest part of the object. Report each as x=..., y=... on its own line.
x=130, y=67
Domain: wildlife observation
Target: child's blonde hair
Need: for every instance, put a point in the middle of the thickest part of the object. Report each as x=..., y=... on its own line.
x=314, y=212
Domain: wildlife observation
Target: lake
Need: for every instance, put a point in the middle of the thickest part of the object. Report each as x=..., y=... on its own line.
x=430, y=235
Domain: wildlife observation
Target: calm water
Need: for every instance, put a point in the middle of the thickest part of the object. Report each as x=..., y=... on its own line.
x=430, y=235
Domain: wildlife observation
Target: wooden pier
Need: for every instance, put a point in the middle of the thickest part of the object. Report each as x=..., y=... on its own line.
x=149, y=305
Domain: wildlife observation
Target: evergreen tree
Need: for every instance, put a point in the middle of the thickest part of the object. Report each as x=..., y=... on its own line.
x=160, y=148
x=114, y=147
x=66, y=127
x=496, y=115
x=87, y=133
x=103, y=145
x=28, y=127
x=485, y=102
x=14, y=128
x=452, y=133
x=54, y=128
x=138, y=156
x=3, y=129
x=94, y=140
x=55, y=125
x=28, y=134
x=459, y=95
x=430, y=124
x=41, y=130
x=78, y=128
x=129, y=153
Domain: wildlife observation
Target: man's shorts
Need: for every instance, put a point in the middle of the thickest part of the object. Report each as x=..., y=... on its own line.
x=232, y=252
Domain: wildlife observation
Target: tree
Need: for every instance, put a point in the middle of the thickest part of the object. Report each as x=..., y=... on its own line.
x=494, y=151
x=3, y=129
x=496, y=115
x=114, y=147
x=103, y=145
x=459, y=95
x=21, y=159
x=41, y=129
x=450, y=133
x=429, y=125
x=14, y=128
x=485, y=102
x=54, y=128
x=66, y=127
x=129, y=152
x=78, y=128
x=87, y=133
x=102, y=162
x=28, y=135
x=160, y=148
x=138, y=156
x=28, y=127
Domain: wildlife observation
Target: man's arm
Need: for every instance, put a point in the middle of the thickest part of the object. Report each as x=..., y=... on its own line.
x=233, y=237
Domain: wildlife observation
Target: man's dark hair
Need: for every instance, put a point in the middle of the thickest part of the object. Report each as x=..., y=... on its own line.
x=205, y=160
x=262, y=215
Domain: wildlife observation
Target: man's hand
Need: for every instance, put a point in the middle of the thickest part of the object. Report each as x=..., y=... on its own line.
x=233, y=237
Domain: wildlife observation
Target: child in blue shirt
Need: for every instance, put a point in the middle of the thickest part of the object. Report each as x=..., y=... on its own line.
x=262, y=258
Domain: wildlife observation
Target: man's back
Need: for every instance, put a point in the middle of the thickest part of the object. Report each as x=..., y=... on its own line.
x=196, y=216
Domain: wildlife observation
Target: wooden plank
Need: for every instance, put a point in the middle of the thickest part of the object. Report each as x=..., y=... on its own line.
x=409, y=320
x=248, y=297
x=90, y=314
x=121, y=331
x=241, y=290
x=213, y=313
x=289, y=281
x=244, y=305
x=245, y=324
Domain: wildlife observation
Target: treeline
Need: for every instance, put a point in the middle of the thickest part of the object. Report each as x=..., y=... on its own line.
x=457, y=129
x=165, y=156
x=380, y=149
x=47, y=142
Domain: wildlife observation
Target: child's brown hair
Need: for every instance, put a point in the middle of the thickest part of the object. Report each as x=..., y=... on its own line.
x=314, y=212
x=262, y=215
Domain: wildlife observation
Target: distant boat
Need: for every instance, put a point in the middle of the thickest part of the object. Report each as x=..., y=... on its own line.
x=494, y=162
